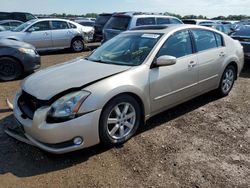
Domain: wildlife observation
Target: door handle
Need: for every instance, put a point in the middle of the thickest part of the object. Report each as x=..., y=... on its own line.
x=46, y=34
x=222, y=54
x=192, y=64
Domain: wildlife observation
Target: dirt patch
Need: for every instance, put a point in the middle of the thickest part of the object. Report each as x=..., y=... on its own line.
x=202, y=143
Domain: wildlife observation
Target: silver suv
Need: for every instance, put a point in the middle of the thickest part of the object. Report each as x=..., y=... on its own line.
x=125, y=21
x=50, y=34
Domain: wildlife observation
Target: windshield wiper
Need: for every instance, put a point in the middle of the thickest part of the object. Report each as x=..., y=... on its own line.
x=96, y=60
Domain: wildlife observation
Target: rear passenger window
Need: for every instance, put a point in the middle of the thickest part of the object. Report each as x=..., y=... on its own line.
x=178, y=45
x=219, y=40
x=175, y=21
x=72, y=26
x=58, y=25
x=204, y=40
x=145, y=21
x=161, y=21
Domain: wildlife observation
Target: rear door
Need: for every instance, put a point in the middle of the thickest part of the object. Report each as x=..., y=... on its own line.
x=61, y=34
x=211, y=53
x=170, y=85
x=39, y=35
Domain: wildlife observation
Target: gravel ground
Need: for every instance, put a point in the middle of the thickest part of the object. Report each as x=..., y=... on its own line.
x=202, y=143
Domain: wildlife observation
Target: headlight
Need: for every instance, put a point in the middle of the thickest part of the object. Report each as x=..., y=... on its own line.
x=27, y=51
x=67, y=107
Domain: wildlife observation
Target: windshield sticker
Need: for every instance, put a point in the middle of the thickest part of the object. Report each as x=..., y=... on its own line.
x=152, y=36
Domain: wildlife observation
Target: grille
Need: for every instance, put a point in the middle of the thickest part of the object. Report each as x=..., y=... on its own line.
x=28, y=104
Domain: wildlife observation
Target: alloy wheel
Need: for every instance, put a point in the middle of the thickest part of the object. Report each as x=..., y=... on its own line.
x=228, y=80
x=121, y=121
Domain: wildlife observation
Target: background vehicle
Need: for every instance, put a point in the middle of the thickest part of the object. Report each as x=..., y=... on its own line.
x=87, y=23
x=225, y=28
x=197, y=21
x=101, y=20
x=10, y=24
x=21, y=16
x=17, y=58
x=243, y=35
x=51, y=34
x=166, y=66
x=120, y=22
x=2, y=28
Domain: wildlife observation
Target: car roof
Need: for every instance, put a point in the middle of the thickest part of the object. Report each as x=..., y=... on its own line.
x=4, y=21
x=52, y=19
x=140, y=14
x=168, y=28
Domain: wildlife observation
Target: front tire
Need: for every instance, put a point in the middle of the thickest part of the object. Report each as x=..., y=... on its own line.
x=77, y=45
x=119, y=121
x=10, y=69
x=227, y=81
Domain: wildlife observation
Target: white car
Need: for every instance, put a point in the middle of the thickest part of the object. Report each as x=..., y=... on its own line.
x=51, y=34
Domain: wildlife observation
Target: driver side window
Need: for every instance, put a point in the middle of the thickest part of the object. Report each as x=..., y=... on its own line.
x=177, y=45
x=40, y=26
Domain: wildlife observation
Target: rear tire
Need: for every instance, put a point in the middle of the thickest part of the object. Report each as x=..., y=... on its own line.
x=77, y=45
x=10, y=69
x=227, y=81
x=119, y=120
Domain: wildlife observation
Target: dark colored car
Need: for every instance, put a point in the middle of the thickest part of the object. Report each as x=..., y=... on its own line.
x=101, y=20
x=10, y=24
x=243, y=35
x=21, y=16
x=17, y=58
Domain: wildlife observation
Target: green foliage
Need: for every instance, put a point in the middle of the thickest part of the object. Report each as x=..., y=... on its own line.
x=94, y=15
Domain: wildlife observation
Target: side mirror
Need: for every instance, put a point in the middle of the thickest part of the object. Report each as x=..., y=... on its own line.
x=32, y=29
x=165, y=60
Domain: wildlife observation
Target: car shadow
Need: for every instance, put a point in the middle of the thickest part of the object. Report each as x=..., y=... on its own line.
x=246, y=70
x=23, y=160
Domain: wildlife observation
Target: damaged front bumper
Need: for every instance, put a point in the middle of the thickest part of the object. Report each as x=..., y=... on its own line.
x=54, y=138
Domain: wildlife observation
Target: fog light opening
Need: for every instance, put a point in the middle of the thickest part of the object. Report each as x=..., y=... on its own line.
x=78, y=141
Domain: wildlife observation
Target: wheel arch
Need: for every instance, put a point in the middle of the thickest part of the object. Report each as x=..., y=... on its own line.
x=136, y=97
x=234, y=64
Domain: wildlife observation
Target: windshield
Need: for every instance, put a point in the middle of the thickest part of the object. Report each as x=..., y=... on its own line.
x=129, y=49
x=23, y=26
x=118, y=23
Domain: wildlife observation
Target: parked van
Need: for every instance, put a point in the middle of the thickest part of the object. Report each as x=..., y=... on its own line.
x=120, y=22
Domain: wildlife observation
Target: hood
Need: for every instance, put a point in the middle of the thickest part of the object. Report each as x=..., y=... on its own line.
x=49, y=82
x=15, y=44
x=9, y=34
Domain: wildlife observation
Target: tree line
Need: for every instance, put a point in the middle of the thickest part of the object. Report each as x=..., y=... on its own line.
x=94, y=15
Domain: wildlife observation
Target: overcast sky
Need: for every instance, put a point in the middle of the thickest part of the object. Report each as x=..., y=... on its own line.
x=210, y=8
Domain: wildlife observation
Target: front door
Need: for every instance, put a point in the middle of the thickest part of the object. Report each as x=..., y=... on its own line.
x=173, y=84
x=39, y=35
